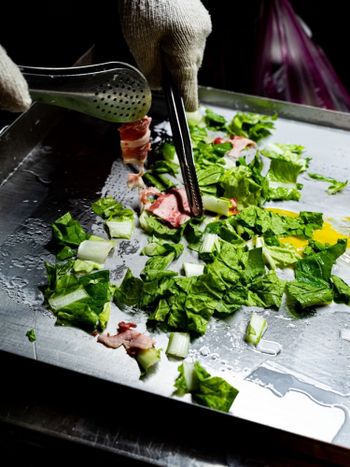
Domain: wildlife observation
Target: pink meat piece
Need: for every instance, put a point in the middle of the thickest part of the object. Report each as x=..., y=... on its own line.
x=135, y=180
x=135, y=141
x=135, y=155
x=239, y=143
x=134, y=130
x=148, y=195
x=182, y=200
x=172, y=207
x=132, y=340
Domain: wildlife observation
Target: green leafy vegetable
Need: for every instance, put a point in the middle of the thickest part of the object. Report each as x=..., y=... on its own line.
x=130, y=290
x=214, y=121
x=109, y=208
x=334, y=187
x=241, y=184
x=158, y=180
x=288, y=153
x=211, y=391
x=31, y=335
x=68, y=231
x=119, y=220
x=78, y=300
x=313, y=284
x=251, y=125
x=303, y=295
x=282, y=256
x=286, y=164
x=66, y=253
x=160, y=247
x=168, y=151
x=86, y=266
x=341, y=290
x=319, y=265
x=153, y=226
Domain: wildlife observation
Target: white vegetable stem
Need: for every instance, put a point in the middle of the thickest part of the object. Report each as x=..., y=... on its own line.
x=61, y=301
x=120, y=229
x=148, y=357
x=219, y=205
x=95, y=250
x=209, y=244
x=178, y=344
x=255, y=329
x=193, y=269
x=190, y=376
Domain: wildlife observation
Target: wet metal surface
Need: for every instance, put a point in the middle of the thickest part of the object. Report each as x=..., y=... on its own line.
x=299, y=380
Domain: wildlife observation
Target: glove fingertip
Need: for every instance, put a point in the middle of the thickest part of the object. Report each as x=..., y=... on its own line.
x=191, y=102
x=188, y=87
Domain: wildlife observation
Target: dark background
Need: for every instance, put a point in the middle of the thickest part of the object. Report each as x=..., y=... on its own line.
x=56, y=34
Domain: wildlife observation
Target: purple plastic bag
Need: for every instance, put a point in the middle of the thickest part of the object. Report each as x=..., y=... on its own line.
x=291, y=66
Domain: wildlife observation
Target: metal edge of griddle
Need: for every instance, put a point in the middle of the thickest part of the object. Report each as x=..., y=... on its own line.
x=250, y=103
x=24, y=133
x=81, y=423
x=30, y=128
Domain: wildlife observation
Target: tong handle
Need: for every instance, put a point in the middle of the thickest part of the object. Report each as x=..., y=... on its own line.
x=182, y=142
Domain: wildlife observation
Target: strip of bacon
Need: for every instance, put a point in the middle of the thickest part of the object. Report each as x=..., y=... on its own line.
x=132, y=340
x=135, y=141
x=238, y=144
x=135, y=180
x=172, y=207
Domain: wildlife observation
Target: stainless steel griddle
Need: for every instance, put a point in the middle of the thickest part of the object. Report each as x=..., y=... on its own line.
x=54, y=160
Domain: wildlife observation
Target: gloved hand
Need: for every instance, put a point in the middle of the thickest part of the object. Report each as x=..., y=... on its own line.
x=14, y=93
x=176, y=28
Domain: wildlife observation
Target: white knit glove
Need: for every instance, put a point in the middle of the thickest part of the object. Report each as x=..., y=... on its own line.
x=176, y=28
x=14, y=93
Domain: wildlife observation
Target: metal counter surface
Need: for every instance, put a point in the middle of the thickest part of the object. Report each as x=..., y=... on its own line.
x=304, y=389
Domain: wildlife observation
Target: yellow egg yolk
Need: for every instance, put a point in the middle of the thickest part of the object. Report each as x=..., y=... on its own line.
x=328, y=234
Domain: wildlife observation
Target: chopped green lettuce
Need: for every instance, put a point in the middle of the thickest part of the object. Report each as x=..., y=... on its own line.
x=251, y=125
x=211, y=391
x=119, y=220
x=319, y=265
x=214, y=121
x=130, y=290
x=281, y=256
x=158, y=180
x=86, y=266
x=241, y=184
x=67, y=231
x=304, y=295
x=78, y=300
x=314, y=285
x=66, y=253
x=153, y=226
x=31, y=335
x=286, y=164
x=108, y=208
x=287, y=152
x=160, y=247
x=341, y=290
x=335, y=185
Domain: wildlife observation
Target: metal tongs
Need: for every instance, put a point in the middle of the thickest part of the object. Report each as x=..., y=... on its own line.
x=112, y=91
x=182, y=142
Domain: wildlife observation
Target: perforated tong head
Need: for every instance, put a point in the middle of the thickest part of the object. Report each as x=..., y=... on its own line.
x=182, y=142
x=112, y=91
